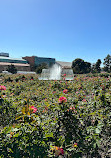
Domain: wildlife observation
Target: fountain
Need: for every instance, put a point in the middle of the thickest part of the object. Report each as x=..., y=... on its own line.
x=55, y=72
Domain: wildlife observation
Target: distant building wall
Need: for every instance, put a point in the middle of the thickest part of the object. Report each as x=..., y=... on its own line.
x=20, y=64
x=64, y=65
x=4, y=54
x=9, y=60
x=48, y=61
x=30, y=60
x=35, y=61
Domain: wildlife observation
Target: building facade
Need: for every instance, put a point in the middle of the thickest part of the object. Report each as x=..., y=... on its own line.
x=4, y=54
x=66, y=67
x=12, y=60
x=35, y=61
x=20, y=64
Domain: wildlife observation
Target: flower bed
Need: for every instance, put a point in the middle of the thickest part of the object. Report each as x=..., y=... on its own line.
x=52, y=118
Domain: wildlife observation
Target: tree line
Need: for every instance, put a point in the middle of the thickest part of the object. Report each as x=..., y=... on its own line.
x=79, y=66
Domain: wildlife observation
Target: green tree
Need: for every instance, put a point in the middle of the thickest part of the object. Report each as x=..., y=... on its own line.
x=87, y=67
x=11, y=68
x=81, y=67
x=93, y=70
x=96, y=67
x=40, y=67
x=107, y=64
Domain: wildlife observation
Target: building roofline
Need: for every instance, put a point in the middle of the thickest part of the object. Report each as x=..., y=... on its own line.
x=15, y=64
x=2, y=57
x=38, y=57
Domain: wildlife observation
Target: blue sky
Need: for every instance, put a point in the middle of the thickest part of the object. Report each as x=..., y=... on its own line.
x=61, y=29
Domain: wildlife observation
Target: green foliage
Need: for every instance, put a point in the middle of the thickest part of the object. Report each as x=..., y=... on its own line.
x=81, y=67
x=107, y=63
x=7, y=112
x=11, y=68
x=80, y=126
x=40, y=67
x=25, y=140
x=96, y=67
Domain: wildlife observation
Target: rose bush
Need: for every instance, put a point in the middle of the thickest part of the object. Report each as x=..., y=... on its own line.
x=37, y=116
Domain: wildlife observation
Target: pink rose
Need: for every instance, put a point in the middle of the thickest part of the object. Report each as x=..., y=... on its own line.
x=84, y=100
x=2, y=87
x=62, y=151
x=72, y=108
x=33, y=108
x=62, y=100
x=65, y=91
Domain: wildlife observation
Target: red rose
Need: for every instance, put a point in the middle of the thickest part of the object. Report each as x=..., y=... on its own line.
x=33, y=108
x=2, y=87
x=65, y=91
x=62, y=100
x=84, y=100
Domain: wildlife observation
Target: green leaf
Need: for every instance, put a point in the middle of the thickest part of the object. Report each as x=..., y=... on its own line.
x=94, y=145
x=16, y=135
x=97, y=130
x=15, y=130
x=49, y=135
